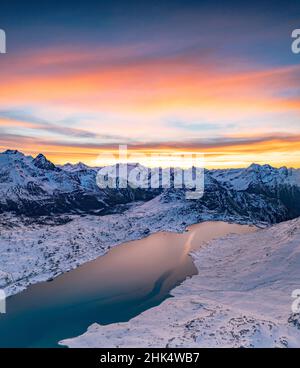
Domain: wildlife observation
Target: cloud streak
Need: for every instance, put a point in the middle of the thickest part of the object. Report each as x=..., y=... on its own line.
x=216, y=150
x=199, y=81
x=27, y=121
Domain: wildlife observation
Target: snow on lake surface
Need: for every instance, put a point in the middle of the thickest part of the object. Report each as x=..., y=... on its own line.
x=128, y=280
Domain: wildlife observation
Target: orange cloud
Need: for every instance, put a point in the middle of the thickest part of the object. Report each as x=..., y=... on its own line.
x=140, y=90
x=156, y=87
x=241, y=151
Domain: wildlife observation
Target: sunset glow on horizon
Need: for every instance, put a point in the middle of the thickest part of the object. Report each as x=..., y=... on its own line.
x=162, y=79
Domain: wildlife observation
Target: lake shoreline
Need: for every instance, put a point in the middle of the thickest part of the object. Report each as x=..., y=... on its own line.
x=227, y=304
x=83, y=240
x=127, y=281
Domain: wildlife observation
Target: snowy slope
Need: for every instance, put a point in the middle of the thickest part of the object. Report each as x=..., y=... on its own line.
x=241, y=297
x=29, y=254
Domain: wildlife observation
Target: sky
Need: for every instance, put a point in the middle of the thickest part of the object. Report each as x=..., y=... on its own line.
x=162, y=77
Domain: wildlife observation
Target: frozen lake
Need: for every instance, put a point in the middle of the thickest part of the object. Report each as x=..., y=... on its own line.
x=128, y=280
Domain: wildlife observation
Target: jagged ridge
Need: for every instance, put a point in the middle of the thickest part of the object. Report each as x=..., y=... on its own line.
x=35, y=186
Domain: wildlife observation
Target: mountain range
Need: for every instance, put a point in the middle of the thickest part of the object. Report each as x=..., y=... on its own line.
x=34, y=186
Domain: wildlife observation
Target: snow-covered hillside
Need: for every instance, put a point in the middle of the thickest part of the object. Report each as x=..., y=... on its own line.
x=241, y=297
x=36, y=249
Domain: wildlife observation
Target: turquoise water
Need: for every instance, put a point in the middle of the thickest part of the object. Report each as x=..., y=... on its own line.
x=128, y=280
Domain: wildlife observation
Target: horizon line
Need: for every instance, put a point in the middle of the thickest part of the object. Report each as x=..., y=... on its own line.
x=12, y=151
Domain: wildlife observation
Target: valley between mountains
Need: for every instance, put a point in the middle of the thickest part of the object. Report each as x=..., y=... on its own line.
x=55, y=218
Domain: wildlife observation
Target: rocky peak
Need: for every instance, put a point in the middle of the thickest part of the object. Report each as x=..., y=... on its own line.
x=13, y=152
x=42, y=163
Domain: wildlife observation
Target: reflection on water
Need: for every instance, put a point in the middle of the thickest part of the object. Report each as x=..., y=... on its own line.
x=126, y=281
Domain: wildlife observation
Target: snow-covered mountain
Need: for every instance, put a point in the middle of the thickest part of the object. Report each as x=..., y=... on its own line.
x=35, y=186
x=237, y=283
x=80, y=166
x=257, y=175
x=281, y=187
